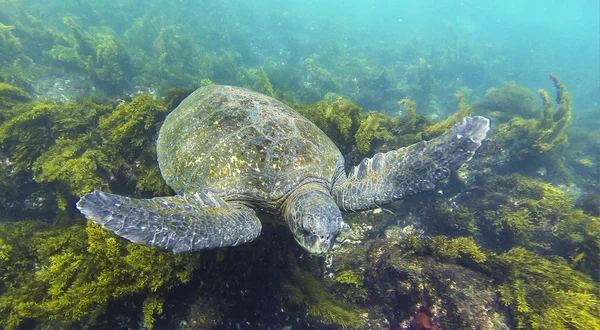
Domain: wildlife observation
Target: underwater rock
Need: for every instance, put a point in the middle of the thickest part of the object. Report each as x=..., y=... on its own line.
x=463, y=298
x=62, y=89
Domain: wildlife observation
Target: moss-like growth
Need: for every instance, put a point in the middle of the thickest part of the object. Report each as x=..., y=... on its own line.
x=453, y=249
x=373, y=127
x=76, y=165
x=507, y=102
x=304, y=290
x=437, y=129
x=529, y=139
x=514, y=210
x=35, y=126
x=360, y=134
x=533, y=214
x=339, y=119
x=440, y=219
x=122, y=142
x=174, y=96
x=129, y=133
x=102, y=57
x=79, y=271
x=257, y=80
x=349, y=284
x=442, y=248
x=74, y=148
x=544, y=294
x=85, y=145
x=10, y=96
x=132, y=125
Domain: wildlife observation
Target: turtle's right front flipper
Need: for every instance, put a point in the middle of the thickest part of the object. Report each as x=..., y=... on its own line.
x=179, y=223
x=393, y=175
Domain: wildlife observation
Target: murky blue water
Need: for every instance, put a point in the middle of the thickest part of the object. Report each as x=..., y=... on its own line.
x=373, y=53
x=467, y=44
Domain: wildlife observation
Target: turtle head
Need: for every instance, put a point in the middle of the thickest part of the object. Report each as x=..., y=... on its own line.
x=315, y=220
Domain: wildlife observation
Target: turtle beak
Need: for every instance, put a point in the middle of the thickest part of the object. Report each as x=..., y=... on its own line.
x=317, y=246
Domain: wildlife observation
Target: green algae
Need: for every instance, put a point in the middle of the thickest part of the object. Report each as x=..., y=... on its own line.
x=359, y=133
x=541, y=293
x=545, y=294
x=10, y=96
x=339, y=119
x=502, y=104
x=304, y=290
x=78, y=271
x=532, y=138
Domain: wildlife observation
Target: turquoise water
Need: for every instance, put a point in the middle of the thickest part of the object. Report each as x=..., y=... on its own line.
x=509, y=241
x=467, y=44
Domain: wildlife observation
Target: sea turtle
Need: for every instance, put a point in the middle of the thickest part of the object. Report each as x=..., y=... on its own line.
x=229, y=153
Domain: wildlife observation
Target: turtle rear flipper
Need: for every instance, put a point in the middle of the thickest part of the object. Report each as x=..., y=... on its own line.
x=391, y=176
x=178, y=223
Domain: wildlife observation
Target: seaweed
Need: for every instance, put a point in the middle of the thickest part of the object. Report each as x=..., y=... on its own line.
x=257, y=80
x=339, y=119
x=446, y=274
x=303, y=290
x=174, y=96
x=10, y=96
x=373, y=127
x=464, y=110
x=504, y=103
x=318, y=78
x=84, y=145
x=546, y=294
x=517, y=211
x=359, y=134
x=111, y=67
x=78, y=271
x=102, y=57
x=533, y=138
x=541, y=293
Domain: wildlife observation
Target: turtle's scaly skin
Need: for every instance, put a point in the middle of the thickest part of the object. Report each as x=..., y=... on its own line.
x=396, y=174
x=242, y=145
x=229, y=152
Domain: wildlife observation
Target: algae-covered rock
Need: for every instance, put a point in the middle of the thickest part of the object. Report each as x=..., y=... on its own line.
x=79, y=271
x=547, y=294
x=504, y=103
x=530, y=145
x=9, y=96
x=403, y=274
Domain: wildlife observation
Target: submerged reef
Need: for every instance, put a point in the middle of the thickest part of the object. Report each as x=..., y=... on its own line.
x=68, y=275
x=510, y=241
x=499, y=246
x=516, y=211
x=534, y=139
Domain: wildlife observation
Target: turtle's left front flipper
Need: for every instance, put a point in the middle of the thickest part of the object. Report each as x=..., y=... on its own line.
x=179, y=223
x=391, y=176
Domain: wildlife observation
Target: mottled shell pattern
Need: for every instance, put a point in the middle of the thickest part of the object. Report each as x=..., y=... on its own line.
x=243, y=145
